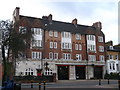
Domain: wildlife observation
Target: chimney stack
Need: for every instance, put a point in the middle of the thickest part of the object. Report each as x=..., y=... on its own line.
x=50, y=18
x=97, y=25
x=74, y=21
x=16, y=14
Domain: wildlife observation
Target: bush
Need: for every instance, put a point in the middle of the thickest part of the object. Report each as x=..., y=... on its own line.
x=112, y=76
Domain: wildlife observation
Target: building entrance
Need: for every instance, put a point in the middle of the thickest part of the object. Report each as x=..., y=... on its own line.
x=80, y=72
x=98, y=72
x=63, y=72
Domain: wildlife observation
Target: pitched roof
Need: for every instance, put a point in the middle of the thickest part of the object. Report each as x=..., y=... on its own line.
x=64, y=26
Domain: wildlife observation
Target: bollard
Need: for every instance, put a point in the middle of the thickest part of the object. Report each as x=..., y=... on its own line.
x=99, y=81
x=39, y=86
x=108, y=81
x=119, y=83
x=44, y=85
x=31, y=84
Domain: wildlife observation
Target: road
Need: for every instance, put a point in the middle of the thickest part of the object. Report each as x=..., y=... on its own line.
x=76, y=85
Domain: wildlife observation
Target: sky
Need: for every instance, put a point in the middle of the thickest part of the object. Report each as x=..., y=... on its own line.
x=87, y=12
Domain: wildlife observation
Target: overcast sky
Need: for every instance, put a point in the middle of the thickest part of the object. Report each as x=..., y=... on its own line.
x=86, y=11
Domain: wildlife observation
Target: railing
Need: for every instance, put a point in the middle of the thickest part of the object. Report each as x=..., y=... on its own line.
x=35, y=79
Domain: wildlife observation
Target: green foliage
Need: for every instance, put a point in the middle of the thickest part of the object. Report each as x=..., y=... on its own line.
x=9, y=68
x=112, y=76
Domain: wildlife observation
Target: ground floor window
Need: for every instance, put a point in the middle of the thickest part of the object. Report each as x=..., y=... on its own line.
x=29, y=71
x=48, y=72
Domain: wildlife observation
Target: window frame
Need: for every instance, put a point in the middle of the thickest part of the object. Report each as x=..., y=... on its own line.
x=55, y=34
x=51, y=33
x=50, y=55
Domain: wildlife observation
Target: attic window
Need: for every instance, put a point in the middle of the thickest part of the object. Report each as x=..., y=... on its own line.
x=111, y=47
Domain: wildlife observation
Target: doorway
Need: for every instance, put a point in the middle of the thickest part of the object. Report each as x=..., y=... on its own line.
x=80, y=72
x=98, y=72
x=63, y=72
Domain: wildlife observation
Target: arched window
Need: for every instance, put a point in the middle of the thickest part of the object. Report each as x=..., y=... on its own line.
x=48, y=72
x=29, y=71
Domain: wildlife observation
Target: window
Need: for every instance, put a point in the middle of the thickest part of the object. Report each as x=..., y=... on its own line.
x=116, y=56
x=100, y=39
x=50, y=33
x=66, y=56
x=29, y=71
x=91, y=47
x=36, y=55
x=55, y=55
x=66, y=46
x=80, y=47
x=78, y=36
x=111, y=47
x=48, y=72
x=78, y=57
x=117, y=66
x=110, y=56
x=91, y=37
x=76, y=46
x=101, y=49
x=102, y=58
x=51, y=44
x=112, y=65
x=50, y=55
x=37, y=43
x=66, y=34
x=55, y=44
x=92, y=58
x=36, y=31
x=22, y=29
x=55, y=34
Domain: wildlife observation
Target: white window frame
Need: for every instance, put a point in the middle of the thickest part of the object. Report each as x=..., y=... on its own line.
x=55, y=56
x=66, y=56
x=55, y=45
x=92, y=57
x=100, y=38
x=55, y=34
x=101, y=48
x=50, y=55
x=78, y=57
x=51, y=44
x=29, y=71
x=76, y=47
x=80, y=47
x=102, y=58
x=48, y=72
x=66, y=46
x=51, y=33
x=37, y=43
x=66, y=34
x=110, y=56
x=36, y=55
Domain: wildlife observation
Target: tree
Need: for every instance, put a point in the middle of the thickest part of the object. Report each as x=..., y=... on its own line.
x=14, y=42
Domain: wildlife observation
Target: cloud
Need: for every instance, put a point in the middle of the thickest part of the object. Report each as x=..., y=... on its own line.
x=86, y=11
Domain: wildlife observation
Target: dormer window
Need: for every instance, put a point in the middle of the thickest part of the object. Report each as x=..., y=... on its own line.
x=111, y=47
x=50, y=33
x=78, y=36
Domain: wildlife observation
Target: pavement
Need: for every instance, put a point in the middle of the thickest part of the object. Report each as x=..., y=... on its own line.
x=71, y=85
